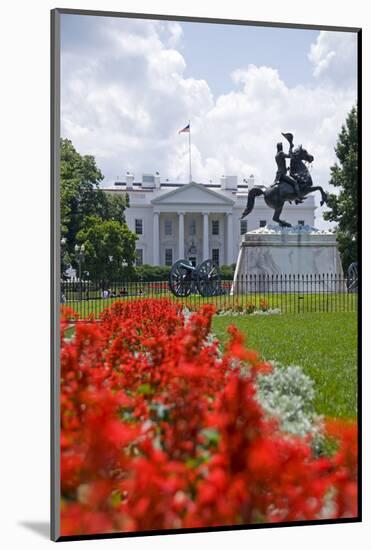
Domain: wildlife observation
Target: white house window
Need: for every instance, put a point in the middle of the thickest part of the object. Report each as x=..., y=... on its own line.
x=215, y=255
x=168, y=256
x=138, y=226
x=168, y=227
x=215, y=227
x=262, y=223
x=301, y=222
x=139, y=256
x=243, y=227
x=192, y=227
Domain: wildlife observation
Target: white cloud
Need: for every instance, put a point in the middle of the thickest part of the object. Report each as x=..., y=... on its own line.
x=333, y=56
x=175, y=34
x=126, y=101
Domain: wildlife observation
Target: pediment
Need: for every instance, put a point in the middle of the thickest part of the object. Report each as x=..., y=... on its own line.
x=193, y=194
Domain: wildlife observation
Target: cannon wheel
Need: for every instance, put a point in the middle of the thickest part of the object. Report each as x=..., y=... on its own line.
x=208, y=278
x=180, y=278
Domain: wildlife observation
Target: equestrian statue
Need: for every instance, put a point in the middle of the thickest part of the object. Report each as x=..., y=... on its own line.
x=292, y=183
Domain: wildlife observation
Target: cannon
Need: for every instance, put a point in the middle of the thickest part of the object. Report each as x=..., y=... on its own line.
x=185, y=278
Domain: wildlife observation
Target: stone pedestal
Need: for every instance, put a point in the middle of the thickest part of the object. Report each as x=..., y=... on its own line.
x=276, y=259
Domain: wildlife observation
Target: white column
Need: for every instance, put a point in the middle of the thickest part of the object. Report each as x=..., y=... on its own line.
x=181, y=235
x=205, y=247
x=156, y=238
x=229, y=255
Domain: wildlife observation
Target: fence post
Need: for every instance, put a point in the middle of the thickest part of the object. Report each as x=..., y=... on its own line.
x=327, y=292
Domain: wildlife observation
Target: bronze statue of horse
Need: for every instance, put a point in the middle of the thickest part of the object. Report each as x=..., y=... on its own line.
x=276, y=195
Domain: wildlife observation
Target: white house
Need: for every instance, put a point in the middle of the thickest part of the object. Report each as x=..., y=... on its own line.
x=196, y=220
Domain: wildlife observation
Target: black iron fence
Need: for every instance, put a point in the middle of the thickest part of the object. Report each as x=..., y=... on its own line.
x=250, y=294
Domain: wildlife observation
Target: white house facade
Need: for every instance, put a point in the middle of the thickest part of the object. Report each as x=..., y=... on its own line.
x=196, y=221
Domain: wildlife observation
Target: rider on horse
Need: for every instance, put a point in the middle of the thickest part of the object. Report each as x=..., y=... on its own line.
x=281, y=174
x=281, y=191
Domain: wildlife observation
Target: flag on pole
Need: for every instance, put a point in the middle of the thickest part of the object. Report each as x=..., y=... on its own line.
x=186, y=129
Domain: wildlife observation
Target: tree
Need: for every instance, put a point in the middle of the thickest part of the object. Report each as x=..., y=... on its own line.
x=114, y=206
x=83, y=200
x=344, y=175
x=80, y=193
x=108, y=243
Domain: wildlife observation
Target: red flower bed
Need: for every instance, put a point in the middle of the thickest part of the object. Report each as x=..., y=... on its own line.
x=159, y=432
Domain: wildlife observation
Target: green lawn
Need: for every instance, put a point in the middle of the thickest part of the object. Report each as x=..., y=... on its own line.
x=323, y=344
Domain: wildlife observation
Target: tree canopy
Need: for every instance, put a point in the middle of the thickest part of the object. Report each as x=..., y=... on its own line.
x=108, y=243
x=344, y=176
x=84, y=206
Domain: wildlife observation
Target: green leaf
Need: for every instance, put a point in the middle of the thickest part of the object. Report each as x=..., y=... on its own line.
x=146, y=389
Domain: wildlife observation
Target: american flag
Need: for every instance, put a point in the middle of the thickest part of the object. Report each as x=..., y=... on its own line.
x=186, y=129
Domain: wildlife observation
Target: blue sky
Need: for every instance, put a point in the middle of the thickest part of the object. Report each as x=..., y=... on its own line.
x=214, y=51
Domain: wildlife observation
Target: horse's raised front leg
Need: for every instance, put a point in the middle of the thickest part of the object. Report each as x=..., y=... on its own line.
x=324, y=197
x=276, y=217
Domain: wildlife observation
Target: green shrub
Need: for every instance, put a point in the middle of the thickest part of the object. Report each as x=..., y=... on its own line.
x=152, y=272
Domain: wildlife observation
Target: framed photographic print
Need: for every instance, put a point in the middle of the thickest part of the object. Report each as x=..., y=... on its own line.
x=206, y=273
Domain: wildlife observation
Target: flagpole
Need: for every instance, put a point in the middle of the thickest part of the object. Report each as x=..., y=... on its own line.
x=190, y=156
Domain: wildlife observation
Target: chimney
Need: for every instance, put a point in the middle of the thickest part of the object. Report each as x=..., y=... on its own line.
x=157, y=180
x=129, y=180
x=223, y=182
x=148, y=181
x=230, y=183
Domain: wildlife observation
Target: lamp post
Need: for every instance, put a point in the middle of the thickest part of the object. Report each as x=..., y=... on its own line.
x=124, y=266
x=80, y=257
x=110, y=258
x=63, y=251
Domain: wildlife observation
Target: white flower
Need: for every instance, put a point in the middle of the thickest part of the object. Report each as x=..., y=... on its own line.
x=275, y=311
x=287, y=394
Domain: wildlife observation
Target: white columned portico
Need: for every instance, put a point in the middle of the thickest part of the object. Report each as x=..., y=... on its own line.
x=156, y=238
x=205, y=240
x=181, y=235
x=229, y=255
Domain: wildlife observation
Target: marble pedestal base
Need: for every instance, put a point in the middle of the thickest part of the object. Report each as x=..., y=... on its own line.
x=274, y=259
